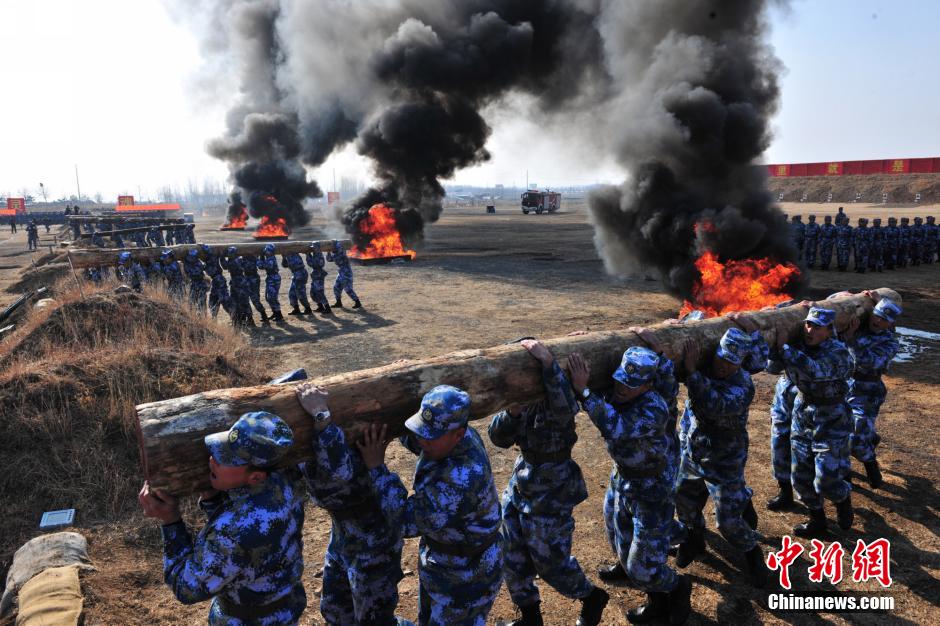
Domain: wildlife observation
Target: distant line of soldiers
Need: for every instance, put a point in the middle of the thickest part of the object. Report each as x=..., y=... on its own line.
x=874, y=248
x=242, y=291
x=154, y=237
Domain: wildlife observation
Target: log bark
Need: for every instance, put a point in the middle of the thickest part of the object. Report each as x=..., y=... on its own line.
x=101, y=257
x=171, y=431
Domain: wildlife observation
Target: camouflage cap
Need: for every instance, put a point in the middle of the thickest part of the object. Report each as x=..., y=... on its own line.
x=194, y=252
x=733, y=346
x=165, y=254
x=892, y=220
x=205, y=247
x=693, y=316
x=258, y=438
x=315, y=246
x=268, y=248
x=337, y=246
x=637, y=367
x=124, y=257
x=443, y=409
x=887, y=309
x=918, y=220
x=820, y=316
x=828, y=218
x=231, y=250
x=877, y=221
x=905, y=220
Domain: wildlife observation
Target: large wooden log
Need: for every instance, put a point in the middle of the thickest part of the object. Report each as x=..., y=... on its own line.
x=171, y=431
x=101, y=257
x=128, y=231
x=123, y=218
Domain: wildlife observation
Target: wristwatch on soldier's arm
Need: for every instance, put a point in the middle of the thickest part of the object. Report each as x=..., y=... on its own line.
x=585, y=394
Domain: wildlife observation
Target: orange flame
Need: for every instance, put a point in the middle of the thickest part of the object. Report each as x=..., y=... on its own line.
x=238, y=222
x=269, y=228
x=386, y=240
x=745, y=285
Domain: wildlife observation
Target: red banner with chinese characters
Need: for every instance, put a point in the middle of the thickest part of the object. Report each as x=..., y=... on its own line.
x=929, y=165
x=148, y=207
x=125, y=200
x=332, y=197
x=17, y=205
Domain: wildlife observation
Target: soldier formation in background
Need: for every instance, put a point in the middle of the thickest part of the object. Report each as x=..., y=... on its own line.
x=872, y=248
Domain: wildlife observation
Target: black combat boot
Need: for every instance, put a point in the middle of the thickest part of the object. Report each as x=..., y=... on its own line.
x=815, y=527
x=655, y=609
x=294, y=311
x=277, y=317
x=339, y=303
x=612, y=573
x=784, y=499
x=680, y=602
x=531, y=616
x=358, y=305
x=875, y=440
x=327, y=310
x=874, y=474
x=308, y=310
x=319, y=308
x=756, y=569
x=749, y=515
x=691, y=548
x=592, y=607
x=264, y=318
x=844, y=513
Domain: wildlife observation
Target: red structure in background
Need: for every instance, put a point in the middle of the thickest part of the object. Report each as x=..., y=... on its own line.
x=128, y=208
x=929, y=165
x=15, y=206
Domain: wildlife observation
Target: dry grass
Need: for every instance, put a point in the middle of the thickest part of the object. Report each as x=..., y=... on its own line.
x=70, y=378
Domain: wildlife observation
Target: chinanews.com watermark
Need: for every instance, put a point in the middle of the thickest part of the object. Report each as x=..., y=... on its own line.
x=869, y=561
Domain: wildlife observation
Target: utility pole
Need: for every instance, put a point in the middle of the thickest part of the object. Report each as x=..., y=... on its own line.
x=43, y=189
x=77, y=185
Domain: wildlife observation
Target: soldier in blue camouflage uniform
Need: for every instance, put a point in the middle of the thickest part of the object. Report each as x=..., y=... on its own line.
x=97, y=240
x=170, y=235
x=140, y=239
x=118, y=240
x=297, y=294
x=843, y=242
x=820, y=366
x=876, y=256
x=873, y=348
x=917, y=241
x=155, y=236
x=32, y=236
x=249, y=265
x=810, y=241
x=632, y=420
x=195, y=271
x=454, y=509
x=538, y=504
x=362, y=566
x=130, y=272
x=904, y=242
x=218, y=292
x=713, y=461
x=798, y=232
x=189, y=234
x=861, y=244
x=317, y=275
x=892, y=235
x=170, y=269
x=931, y=235
x=781, y=416
x=238, y=284
x=344, y=276
x=272, y=281
x=248, y=558
x=76, y=229
x=827, y=240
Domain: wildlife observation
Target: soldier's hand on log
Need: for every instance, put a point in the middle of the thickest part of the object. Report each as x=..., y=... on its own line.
x=807, y=303
x=373, y=444
x=851, y=329
x=874, y=295
x=745, y=321
x=158, y=504
x=648, y=337
x=690, y=355
x=537, y=349
x=579, y=370
x=313, y=399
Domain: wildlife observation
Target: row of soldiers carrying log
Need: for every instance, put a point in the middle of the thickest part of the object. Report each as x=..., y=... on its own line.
x=825, y=406
x=873, y=248
x=243, y=289
x=154, y=237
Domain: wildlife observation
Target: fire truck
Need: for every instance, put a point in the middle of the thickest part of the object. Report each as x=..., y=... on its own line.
x=541, y=201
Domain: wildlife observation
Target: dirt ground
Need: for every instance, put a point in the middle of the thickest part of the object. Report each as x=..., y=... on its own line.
x=481, y=280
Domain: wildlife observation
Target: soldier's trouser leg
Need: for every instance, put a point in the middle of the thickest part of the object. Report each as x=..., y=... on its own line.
x=643, y=544
x=318, y=292
x=811, y=253
x=272, y=285
x=691, y=495
x=359, y=587
x=289, y=614
x=302, y=294
x=458, y=590
x=780, y=455
x=348, y=288
x=865, y=408
x=614, y=514
x=254, y=295
x=292, y=294
x=338, y=287
x=819, y=468
x=540, y=544
x=730, y=497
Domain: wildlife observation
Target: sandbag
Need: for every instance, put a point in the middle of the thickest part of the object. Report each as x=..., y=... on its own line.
x=39, y=554
x=51, y=597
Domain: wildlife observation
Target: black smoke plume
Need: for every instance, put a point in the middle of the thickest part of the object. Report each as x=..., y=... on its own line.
x=694, y=119
x=235, y=207
x=277, y=190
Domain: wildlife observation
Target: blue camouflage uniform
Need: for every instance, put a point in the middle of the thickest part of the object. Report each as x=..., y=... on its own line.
x=798, y=233
x=861, y=243
x=170, y=269
x=317, y=276
x=344, y=274
x=189, y=234
x=139, y=238
x=272, y=279
x=297, y=294
x=248, y=558
x=98, y=240
x=827, y=241
x=249, y=267
x=195, y=271
x=810, y=241
x=892, y=235
x=872, y=352
x=844, y=237
x=218, y=292
x=917, y=241
x=822, y=419
x=931, y=235
x=131, y=272
x=639, y=503
x=362, y=566
x=713, y=461
x=904, y=242
x=781, y=416
x=32, y=236
x=238, y=285
x=876, y=256
x=155, y=236
x=455, y=511
x=545, y=487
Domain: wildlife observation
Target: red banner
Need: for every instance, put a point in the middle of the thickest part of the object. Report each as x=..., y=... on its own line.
x=17, y=205
x=929, y=165
x=332, y=197
x=125, y=200
x=147, y=207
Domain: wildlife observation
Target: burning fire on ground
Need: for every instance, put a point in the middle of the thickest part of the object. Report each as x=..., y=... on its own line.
x=272, y=228
x=237, y=222
x=385, y=240
x=743, y=285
